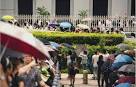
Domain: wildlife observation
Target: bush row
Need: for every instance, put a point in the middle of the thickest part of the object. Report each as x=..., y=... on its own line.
x=80, y=38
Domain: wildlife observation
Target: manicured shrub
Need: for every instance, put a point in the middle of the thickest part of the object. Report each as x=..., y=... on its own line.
x=80, y=38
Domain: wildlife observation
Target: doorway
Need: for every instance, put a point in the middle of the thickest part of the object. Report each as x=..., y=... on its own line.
x=25, y=7
x=62, y=7
x=100, y=7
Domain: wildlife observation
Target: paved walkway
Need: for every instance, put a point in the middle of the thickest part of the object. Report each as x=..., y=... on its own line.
x=78, y=81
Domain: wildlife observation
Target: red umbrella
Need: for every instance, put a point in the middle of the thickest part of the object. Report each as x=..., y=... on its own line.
x=22, y=41
x=129, y=79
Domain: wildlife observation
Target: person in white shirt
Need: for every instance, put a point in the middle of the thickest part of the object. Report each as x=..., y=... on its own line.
x=105, y=55
x=69, y=58
x=84, y=57
x=94, y=62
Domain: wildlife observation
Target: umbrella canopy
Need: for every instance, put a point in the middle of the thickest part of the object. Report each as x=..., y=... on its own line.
x=65, y=25
x=125, y=79
x=67, y=45
x=20, y=40
x=127, y=68
x=124, y=85
x=7, y=18
x=83, y=26
x=123, y=46
x=117, y=65
x=10, y=53
x=121, y=60
x=87, y=19
x=54, y=45
x=52, y=25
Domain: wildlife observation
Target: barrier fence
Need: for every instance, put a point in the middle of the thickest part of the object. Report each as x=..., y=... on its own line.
x=103, y=22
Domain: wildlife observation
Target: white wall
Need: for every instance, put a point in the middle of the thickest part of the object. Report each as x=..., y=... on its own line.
x=46, y=3
x=119, y=7
x=7, y=7
x=80, y=5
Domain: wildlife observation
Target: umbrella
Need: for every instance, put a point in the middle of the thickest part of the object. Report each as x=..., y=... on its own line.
x=127, y=68
x=54, y=45
x=53, y=25
x=123, y=58
x=7, y=18
x=117, y=65
x=87, y=19
x=123, y=46
x=20, y=40
x=124, y=85
x=67, y=45
x=9, y=52
x=125, y=79
x=83, y=26
x=65, y=25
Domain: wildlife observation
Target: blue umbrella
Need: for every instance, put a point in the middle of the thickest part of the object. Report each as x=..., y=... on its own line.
x=117, y=65
x=124, y=85
x=54, y=45
x=123, y=58
x=67, y=45
x=65, y=25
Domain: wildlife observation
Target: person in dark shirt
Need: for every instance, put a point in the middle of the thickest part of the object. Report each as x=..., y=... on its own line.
x=17, y=81
x=106, y=70
x=99, y=74
x=72, y=73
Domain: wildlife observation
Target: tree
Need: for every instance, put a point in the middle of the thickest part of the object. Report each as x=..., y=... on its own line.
x=83, y=13
x=43, y=11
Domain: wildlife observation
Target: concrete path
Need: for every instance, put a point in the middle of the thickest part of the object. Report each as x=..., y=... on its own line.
x=79, y=81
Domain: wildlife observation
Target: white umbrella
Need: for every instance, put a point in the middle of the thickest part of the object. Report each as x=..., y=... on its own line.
x=83, y=26
x=20, y=40
x=87, y=19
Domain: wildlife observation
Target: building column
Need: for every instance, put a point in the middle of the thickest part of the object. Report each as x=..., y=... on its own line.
x=15, y=7
x=109, y=7
x=72, y=7
x=90, y=7
x=53, y=6
x=129, y=8
x=34, y=7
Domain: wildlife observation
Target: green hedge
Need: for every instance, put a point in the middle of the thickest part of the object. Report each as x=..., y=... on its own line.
x=109, y=49
x=80, y=38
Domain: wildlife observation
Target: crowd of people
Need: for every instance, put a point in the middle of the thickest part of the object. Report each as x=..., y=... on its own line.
x=100, y=26
x=102, y=65
x=24, y=71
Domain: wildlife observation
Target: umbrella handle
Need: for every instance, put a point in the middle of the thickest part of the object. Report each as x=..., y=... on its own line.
x=3, y=51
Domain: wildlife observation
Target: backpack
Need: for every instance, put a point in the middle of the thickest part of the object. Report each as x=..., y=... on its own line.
x=72, y=57
x=106, y=68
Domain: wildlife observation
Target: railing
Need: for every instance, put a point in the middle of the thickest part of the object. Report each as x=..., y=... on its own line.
x=103, y=22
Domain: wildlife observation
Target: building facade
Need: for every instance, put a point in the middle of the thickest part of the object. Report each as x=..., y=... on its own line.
x=69, y=7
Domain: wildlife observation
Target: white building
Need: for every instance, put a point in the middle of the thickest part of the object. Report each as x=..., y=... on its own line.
x=69, y=7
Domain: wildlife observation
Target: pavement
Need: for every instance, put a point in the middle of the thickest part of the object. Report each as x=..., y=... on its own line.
x=78, y=81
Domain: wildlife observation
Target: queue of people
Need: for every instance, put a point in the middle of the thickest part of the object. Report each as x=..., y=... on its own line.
x=24, y=72
x=105, y=68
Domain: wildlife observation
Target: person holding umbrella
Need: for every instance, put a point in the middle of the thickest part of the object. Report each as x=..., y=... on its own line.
x=32, y=78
